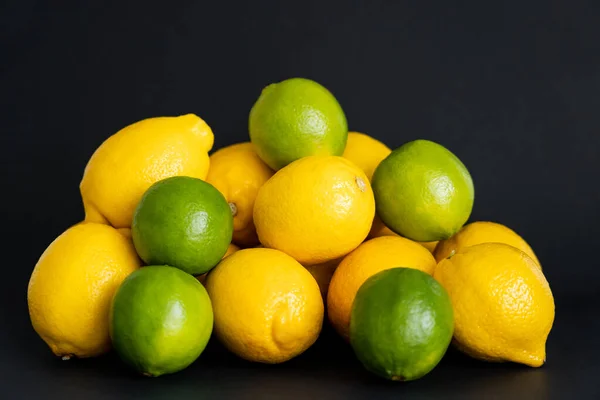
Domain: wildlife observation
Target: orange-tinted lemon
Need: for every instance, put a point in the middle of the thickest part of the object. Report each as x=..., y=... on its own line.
x=237, y=172
x=372, y=256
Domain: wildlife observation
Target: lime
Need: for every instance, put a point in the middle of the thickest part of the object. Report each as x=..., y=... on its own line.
x=296, y=118
x=423, y=191
x=183, y=222
x=401, y=324
x=160, y=320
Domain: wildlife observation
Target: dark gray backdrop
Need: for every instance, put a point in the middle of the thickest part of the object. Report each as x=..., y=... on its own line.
x=513, y=89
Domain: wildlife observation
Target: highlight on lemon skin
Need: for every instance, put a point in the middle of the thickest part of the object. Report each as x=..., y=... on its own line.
x=126, y=164
x=503, y=305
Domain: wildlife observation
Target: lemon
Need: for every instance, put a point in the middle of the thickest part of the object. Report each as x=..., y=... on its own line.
x=296, y=118
x=482, y=232
x=323, y=273
x=131, y=160
x=267, y=307
x=366, y=152
x=237, y=172
x=429, y=245
x=503, y=305
x=423, y=191
x=379, y=229
x=232, y=248
x=72, y=285
x=316, y=209
x=372, y=256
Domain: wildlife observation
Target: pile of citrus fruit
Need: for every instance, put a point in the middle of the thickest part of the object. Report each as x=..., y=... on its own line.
x=261, y=242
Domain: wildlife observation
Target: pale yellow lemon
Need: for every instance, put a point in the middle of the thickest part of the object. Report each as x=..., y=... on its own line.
x=131, y=160
x=503, y=305
x=482, y=232
x=379, y=229
x=237, y=172
x=72, y=285
x=366, y=152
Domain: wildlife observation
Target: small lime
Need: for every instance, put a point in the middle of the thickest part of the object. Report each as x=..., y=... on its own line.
x=296, y=118
x=401, y=324
x=183, y=222
x=161, y=320
x=423, y=191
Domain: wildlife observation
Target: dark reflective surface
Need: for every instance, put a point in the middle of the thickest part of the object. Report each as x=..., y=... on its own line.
x=328, y=369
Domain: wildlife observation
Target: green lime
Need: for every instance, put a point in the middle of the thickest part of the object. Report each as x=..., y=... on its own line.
x=183, y=222
x=297, y=118
x=161, y=320
x=401, y=324
x=423, y=191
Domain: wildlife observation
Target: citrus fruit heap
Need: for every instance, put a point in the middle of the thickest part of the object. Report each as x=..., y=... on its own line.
x=260, y=242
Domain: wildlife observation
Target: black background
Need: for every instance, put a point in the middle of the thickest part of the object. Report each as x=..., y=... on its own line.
x=513, y=89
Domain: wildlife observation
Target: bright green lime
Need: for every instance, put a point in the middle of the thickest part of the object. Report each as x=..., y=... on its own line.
x=183, y=222
x=401, y=324
x=297, y=118
x=160, y=320
x=423, y=191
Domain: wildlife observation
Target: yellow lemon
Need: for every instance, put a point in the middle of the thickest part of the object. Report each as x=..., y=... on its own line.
x=267, y=306
x=369, y=258
x=379, y=229
x=131, y=160
x=429, y=245
x=482, y=232
x=72, y=285
x=503, y=306
x=316, y=209
x=323, y=273
x=365, y=151
x=237, y=172
x=232, y=248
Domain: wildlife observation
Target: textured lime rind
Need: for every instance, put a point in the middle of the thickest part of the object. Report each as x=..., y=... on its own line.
x=423, y=191
x=161, y=320
x=402, y=323
x=296, y=118
x=183, y=222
